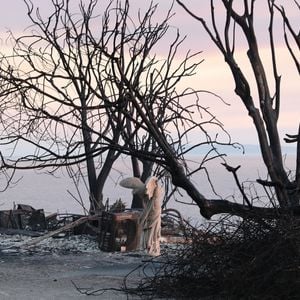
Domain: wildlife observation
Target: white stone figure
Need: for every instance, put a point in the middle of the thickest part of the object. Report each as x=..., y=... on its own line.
x=150, y=221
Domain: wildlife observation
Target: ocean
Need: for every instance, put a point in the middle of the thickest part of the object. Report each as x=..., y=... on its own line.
x=58, y=193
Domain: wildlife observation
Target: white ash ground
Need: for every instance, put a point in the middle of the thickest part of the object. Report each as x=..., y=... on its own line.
x=55, y=264
x=62, y=245
x=68, y=244
x=59, y=268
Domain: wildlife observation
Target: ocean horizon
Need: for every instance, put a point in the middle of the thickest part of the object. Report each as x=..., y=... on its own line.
x=58, y=193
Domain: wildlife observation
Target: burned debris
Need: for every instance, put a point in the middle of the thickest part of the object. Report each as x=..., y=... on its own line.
x=23, y=217
x=115, y=229
x=110, y=227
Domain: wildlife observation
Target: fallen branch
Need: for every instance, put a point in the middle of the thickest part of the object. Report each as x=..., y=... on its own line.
x=62, y=229
x=223, y=258
x=97, y=292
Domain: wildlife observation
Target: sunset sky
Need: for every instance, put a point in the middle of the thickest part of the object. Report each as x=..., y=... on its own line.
x=213, y=73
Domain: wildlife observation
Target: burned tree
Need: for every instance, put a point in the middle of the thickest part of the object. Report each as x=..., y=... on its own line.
x=263, y=109
x=84, y=89
x=67, y=89
x=58, y=97
x=81, y=88
x=264, y=112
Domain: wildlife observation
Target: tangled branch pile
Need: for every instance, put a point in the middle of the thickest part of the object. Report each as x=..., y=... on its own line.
x=243, y=260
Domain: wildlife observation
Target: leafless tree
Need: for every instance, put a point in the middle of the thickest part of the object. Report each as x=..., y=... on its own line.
x=263, y=109
x=84, y=87
x=60, y=94
x=78, y=90
x=48, y=81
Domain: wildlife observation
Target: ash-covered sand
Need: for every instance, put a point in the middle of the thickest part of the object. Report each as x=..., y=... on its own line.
x=55, y=267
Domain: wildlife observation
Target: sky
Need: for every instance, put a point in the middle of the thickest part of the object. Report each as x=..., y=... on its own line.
x=213, y=74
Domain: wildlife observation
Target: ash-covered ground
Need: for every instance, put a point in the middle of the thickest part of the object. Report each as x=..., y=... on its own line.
x=66, y=244
x=63, y=268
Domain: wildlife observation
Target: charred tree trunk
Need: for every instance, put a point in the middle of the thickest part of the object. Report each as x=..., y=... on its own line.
x=91, y=170
x=264, y=112
x=103, y=175
x=137, y=201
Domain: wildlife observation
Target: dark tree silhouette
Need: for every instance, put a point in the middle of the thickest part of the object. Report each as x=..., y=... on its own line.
x=263, y=109
x=84, y=86
x=84, y=91
x=60, y=91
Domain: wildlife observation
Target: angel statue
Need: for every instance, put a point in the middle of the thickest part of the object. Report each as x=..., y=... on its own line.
x=150, y=220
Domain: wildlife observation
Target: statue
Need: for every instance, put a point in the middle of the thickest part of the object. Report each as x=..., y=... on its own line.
x=149, y=226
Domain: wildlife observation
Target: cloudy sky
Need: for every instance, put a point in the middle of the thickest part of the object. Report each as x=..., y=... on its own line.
x=213, y=73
